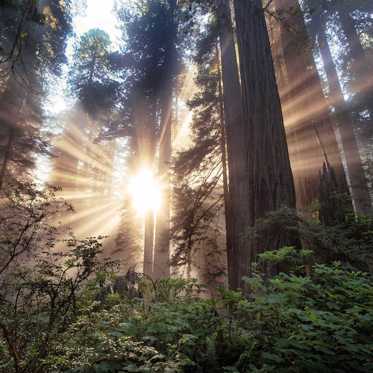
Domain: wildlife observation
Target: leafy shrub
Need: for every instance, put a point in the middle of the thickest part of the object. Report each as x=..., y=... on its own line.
x=72, y=313
x=290, y=323
x=349, y=241
x=38, y=301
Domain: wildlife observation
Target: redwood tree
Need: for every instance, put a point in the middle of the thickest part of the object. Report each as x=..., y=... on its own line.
x=310, y=129
x=169, y=71
x=266, y=181
x=234, y=135
x=344, y=118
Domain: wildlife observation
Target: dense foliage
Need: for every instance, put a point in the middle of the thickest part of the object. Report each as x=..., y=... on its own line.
x=90, y=77
x=72, y=311
x=32, y=52
x=293, y=322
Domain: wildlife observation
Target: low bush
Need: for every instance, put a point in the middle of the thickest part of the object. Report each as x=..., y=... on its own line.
x=290, y=323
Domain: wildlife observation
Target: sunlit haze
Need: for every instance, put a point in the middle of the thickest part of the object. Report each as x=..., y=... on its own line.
x=98, y=16
x=145, y=191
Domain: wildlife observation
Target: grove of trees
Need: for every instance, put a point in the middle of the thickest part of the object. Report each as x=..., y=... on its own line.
x=208, y=204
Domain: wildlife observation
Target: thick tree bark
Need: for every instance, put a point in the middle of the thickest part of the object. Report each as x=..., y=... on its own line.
x=358, y=182
x=268, y=182
x=306, y=182
x=305, y=107
x=305, y=187
x=239, y=210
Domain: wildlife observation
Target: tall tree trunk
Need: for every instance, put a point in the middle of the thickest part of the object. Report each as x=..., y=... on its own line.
x=145, y=117
x=268, y=182
x=306, y=182
x=361, y=66
x=358, y=182
x=235, y=142
x=305, y=107
x=223, y=147
x=7, y=156
x=162, y=231
x=149, y=244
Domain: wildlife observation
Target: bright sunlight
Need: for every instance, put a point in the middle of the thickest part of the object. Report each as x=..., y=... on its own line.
x=145, y=191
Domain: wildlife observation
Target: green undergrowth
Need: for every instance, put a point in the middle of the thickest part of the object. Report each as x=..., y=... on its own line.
x=322, y=322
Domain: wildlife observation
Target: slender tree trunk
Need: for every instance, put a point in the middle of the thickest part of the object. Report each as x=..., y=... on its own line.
x=189, y=259
x=361, y=66
x=12, y=103
x=238, y=211
x=162, y=232
x=145, y=117
x=305, y=107
x=358, y=182
x=7, y=156
x=268, y=184
x=227, y=207
x=149, y=244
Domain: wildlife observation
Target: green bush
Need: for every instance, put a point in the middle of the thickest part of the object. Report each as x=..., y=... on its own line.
x=71, y=312
x=290, y=323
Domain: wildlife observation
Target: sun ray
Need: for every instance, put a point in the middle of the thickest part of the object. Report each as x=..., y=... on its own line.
x=145, y=191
